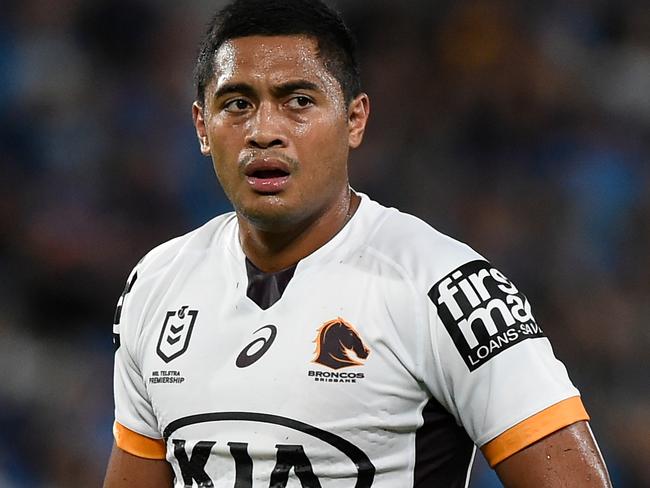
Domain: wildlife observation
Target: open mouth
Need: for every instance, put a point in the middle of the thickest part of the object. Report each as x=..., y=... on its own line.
x=267, y=175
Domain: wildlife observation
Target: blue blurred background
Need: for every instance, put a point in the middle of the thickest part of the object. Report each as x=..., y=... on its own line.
x=522, y=128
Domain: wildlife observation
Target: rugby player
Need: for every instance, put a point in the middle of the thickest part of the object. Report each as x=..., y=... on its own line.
x=313, y=337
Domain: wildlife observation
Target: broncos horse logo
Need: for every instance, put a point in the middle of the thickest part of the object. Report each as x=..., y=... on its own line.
x=337, y=344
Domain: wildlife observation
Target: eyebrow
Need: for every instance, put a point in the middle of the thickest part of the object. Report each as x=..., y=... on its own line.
x=280, y=90
x=243, y=88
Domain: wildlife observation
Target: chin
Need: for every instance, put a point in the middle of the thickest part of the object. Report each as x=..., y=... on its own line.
x=271, y=215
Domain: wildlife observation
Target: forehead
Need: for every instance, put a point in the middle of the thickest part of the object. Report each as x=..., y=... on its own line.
x=271, y=59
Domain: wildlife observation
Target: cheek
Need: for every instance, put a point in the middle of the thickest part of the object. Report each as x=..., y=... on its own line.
x=323, y=140
x=225, y=163
x=225, y=146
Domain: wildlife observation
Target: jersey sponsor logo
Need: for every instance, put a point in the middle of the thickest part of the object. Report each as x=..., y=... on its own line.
x=203, y=463
x=259, y=347
x=176, y=332
x=339, y=345
x=483, y=311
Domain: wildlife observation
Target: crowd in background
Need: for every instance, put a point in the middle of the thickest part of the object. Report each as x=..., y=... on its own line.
x=522, y=128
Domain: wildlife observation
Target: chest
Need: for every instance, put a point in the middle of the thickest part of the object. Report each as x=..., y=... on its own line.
x=326, y=373
x=338, y=337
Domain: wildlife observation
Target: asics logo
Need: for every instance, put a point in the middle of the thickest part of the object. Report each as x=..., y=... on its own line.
x=258, y=347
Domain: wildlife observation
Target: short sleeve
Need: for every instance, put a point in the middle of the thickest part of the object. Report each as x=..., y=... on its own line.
x=499, y=375
x=135, y=429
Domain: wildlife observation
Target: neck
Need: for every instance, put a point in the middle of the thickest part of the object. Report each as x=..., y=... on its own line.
x=273, y=251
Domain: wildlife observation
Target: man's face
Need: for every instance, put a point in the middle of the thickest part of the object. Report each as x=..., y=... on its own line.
x=278, y=129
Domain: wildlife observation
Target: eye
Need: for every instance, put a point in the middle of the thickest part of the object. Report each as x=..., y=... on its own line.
x=237, y=105
x=300, y=102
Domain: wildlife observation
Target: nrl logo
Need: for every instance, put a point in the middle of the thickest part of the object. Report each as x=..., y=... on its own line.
x=175, y=334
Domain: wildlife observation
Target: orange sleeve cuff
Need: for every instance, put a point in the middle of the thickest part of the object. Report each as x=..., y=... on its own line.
x=533, y=429
x=138, y=444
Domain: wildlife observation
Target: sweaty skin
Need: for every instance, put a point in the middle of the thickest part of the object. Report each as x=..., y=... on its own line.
x=128, y=471
x=272, y=99
x=568, y=458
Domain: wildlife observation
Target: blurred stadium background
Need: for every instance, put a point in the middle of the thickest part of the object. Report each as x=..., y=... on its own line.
x=522, y=128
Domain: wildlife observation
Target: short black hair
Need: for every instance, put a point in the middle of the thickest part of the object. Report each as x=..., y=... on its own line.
x=312, y=18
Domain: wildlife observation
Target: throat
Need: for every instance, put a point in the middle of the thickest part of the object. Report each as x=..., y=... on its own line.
x=281, y=247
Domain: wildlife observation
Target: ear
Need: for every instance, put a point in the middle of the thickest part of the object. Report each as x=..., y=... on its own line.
x=201, y=130
x=358, y=113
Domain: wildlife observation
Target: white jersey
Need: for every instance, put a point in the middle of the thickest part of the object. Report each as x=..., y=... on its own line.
x=380, y=360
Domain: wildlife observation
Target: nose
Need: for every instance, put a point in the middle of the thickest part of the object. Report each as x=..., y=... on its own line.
x=265, y=129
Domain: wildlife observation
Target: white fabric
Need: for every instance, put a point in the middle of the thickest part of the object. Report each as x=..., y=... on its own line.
x=375, y=274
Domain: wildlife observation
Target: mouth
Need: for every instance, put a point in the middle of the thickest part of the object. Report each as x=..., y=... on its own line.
x=267, y=176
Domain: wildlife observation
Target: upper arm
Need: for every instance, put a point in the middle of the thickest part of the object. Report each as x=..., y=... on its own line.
x=138, y=456
x=133, y=407
x=568, y=458
x=501, y=379
x=495, y=370
x=128, y=471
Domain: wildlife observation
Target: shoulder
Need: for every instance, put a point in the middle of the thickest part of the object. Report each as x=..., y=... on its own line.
x=423, y=253
x=156, y=271
x=177, y=257
x=181, y=250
